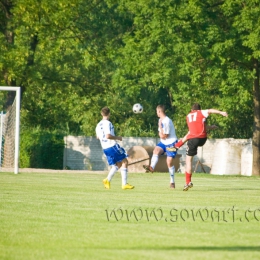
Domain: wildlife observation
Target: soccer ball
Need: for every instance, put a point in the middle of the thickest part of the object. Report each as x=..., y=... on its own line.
x=137, y=108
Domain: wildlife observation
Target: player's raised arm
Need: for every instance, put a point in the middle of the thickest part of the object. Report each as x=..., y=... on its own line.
x=215, y=111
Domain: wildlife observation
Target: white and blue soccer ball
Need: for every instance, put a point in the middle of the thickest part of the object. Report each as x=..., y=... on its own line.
x=137, y=108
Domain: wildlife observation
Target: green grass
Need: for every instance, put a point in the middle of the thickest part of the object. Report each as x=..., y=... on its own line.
x=70, y=216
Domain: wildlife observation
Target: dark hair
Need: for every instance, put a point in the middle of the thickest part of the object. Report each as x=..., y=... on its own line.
x=162, y=108
x=196, y=106
x=105, y=111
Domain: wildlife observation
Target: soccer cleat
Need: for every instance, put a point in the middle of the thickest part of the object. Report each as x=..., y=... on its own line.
x=148, y=168
x=172, y=185
x=106, y=183
x=187, y=186
x=127, y=187
x=172, y=149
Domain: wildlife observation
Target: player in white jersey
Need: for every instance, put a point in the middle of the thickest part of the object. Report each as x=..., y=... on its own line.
x=116, y=155
x=168, y=138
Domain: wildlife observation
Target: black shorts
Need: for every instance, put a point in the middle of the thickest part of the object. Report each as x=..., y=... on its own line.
x=193, y=144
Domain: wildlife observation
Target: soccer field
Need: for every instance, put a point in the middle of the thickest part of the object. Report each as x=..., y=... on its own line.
x=72, y=216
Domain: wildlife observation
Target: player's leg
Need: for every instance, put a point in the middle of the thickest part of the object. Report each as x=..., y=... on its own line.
x=181, y=142
x=169, y=161
x=171, y=168
x=109, y=152
x=192, y=147
x=124, y=175
x=158, y=150
x=189, y=164
x=188, y=173
x=112, y=172
x=110, y=175
x=116, y=157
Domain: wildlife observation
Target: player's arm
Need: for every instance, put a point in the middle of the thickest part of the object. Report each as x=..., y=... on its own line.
x=97, y=132
x=113, y=137
x=215, y=111
x=163, y=136
x=180, y=143
x=184, y=139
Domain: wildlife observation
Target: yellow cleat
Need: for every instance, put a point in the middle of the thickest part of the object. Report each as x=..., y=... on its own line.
x=127, y=187
x=106, y=183
x=172, y=149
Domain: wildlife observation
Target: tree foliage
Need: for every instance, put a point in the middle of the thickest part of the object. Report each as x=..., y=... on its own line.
x=193, y=51
x=74, y=57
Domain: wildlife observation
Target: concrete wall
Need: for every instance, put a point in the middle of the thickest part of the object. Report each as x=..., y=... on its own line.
x=85, y=153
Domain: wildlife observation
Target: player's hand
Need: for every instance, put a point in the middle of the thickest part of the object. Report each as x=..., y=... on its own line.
x=224, y=114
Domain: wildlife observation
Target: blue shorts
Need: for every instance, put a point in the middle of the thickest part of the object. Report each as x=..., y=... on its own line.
x=168, y=153
x=115, y=154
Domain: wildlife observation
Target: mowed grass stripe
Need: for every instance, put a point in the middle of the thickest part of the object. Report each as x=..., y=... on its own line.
x=70, y=216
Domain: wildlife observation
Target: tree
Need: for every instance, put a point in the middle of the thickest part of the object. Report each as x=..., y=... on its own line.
x=72, y=57
x=61, y=54
x=198, y=51
x=247, y=22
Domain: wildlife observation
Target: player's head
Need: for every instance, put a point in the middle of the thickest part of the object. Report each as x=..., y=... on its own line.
x=196, y=106
x=105, y=111
x=160, y=109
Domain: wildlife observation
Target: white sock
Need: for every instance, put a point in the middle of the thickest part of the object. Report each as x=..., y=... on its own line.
x=154, y=160
x=124, y=176
x=171, y=172
x=112, y=172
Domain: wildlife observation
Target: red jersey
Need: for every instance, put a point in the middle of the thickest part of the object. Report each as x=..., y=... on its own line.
x=196, y=121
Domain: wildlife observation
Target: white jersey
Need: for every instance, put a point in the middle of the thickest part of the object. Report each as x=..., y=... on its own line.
x=103, y=128
x=168, y=128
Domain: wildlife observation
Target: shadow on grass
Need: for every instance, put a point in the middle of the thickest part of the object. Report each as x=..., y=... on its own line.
x=231, y=189
x=201, y=248
x=216, y=248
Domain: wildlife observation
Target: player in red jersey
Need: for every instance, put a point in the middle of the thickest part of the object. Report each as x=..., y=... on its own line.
x=197, y=136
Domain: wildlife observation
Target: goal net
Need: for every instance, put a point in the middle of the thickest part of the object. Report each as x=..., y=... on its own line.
x=9, y=129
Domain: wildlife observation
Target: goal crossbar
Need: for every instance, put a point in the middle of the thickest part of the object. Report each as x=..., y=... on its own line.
x=17, y=124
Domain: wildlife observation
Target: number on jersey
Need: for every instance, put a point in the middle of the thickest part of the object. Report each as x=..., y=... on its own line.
x=192, y=117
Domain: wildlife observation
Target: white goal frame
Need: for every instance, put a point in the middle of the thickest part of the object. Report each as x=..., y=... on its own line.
x=17, y=124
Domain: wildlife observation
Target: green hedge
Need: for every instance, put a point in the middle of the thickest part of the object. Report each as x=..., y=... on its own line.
x=41, y=149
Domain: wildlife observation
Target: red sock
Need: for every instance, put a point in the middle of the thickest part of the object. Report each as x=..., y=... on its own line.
x=188, y=177
x=179, y=144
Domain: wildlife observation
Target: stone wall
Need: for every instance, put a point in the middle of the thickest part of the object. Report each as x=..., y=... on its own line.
x=85, y=153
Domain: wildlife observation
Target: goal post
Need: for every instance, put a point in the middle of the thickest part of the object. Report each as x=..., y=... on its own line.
x=10, y=132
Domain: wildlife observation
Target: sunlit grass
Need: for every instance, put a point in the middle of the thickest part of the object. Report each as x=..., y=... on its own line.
x=71, y=216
